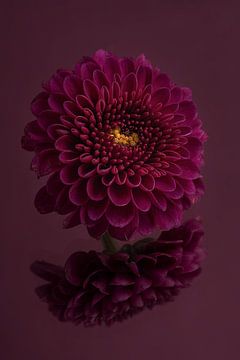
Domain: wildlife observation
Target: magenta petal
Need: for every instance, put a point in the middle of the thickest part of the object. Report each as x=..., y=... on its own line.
x=91, y=90
x=84, y=102
x=56, y=131
x=149, y=295
x=189, y=170
x=76, y=267
x=44, y=202
x=100, y=56
x=185, y=130
x=64, y=143
x=144, y=76
x=101, y=284
x=84, y=216
x=56, y=84
x=78, y=194
x=35, y=133
x=96, y=209
x=134, y=180
x=129, y=83
x=161, y=80
x=199, y=185
x=120, y=178
x=47, y=118
x=194, y=146
x=160, y=278
x=63, y=204
x=40, y=103
x=119, y=195
x=148, y=182
x=174, y=169
x=68, y=157
x=69, y=174
x=108, y=179
x=160, y=96
x=177, y=193
x=120, y=216
x=170, y=109
x=188, y=109
x=169, y=218
x=142, y=60
x=86, y=170
x=54, y=184
x=141, y=199
x=127, y=66
x=184, y=153
x=97, y=298
x=100, y=79
x=176, y=94
x=122, y=280
x=72, y=86
x=165, y=183
x=95, y=188
x=137, y=301
x=126, y=232
x=146, y=223
x=142, y=283
x=103, y=170
x=111, y=67
x=55, y=102
x=163, y=219
x=116, y=91
x=187, y=185
x=158, y=199
x=186, y=94
x=71, y=108
x=85, y=67
x=120, y=294
x=99, y=228
x=46, y=162
x=73, y=219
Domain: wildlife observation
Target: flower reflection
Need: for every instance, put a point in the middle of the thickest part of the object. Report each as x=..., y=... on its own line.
x=104, y=287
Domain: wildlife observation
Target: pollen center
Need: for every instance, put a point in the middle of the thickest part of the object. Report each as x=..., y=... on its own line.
x=124, y=139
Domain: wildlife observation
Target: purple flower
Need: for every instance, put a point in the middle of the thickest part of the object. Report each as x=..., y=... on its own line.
x=121, y=145
x=96, y=288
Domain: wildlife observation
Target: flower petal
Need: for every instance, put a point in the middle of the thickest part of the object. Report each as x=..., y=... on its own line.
x=44, y=202
x=119, y=195
x=96, y=209
x=72, y=86
x=161, y=95
x=141, y=199
x=189, y=170
x=165, y=183
x=95, y=188
x=91, y=90
x=129, y=83
x=78, y=193
x=120, y=216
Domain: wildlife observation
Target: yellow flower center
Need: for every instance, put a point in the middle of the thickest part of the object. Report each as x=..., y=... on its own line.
x=123, y=139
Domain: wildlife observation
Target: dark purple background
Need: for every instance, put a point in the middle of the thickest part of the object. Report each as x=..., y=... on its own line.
x=197, y=43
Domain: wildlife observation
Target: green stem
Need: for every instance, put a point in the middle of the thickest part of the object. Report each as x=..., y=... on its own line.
x=108, y=243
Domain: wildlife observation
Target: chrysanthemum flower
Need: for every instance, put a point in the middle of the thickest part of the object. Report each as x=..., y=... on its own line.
x=97, y=288
x=121, y=143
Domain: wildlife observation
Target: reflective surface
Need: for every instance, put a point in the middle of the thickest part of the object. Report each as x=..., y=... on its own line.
x=196, y=43
x=95, y=288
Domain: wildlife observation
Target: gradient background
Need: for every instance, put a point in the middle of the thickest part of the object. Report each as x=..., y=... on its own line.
x=197, y=43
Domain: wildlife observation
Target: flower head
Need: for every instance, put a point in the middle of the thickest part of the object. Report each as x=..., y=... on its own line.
x=96, y=288
x=121, y=143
